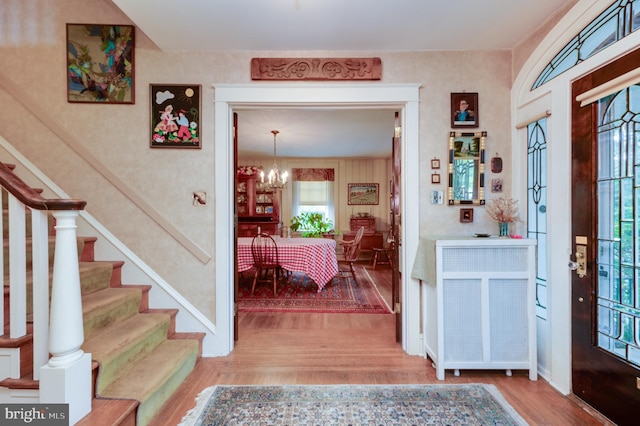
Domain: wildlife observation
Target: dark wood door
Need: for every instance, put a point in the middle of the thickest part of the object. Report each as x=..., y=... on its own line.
x=235, y=226
x=606, y=223
x=396, y=225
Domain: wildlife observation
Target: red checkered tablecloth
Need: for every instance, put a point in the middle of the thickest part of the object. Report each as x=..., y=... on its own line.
x=315, y=257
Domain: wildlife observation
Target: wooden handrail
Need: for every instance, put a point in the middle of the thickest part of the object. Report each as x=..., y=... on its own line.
x=32, y=198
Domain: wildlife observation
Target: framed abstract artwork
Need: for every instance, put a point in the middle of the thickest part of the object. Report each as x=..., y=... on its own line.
x=363, y=193
x=175, y=115
x=100, y=63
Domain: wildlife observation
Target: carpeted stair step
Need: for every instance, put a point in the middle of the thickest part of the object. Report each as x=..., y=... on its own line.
x=102, y=308
x=123, y=342
x=154, y=378
x=94, y=276
x=51, y=251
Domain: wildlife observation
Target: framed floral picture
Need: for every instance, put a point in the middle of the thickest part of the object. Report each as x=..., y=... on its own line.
x=100, y=63
x=175, y=115
x=363, y=193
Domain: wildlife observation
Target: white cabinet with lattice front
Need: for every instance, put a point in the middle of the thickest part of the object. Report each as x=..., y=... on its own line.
x=479, y=304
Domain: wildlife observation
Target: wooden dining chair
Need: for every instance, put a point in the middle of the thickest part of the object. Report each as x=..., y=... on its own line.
x=265, y=259
x=351, y=254
x=383, y=255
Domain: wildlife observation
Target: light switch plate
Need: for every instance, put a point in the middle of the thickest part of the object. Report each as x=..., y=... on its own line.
x=437, y=197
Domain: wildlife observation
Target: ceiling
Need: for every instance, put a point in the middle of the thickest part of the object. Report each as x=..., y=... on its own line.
x=332, y=25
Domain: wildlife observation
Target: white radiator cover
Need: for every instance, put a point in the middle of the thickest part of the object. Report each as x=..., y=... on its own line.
x=479, y=313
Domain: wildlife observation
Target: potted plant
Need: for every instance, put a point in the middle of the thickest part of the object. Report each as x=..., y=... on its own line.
x=311, y=224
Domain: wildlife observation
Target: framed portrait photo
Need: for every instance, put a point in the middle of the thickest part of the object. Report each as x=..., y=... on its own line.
x=175, y=115
x=435, y=178
x=100, y=63
x=464, y=110
x=435, y=163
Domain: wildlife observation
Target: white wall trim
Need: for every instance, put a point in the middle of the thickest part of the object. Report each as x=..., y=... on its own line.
x=403, y=97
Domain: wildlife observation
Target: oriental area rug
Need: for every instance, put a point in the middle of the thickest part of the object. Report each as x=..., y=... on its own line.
x=468, y=404
x=298, y=293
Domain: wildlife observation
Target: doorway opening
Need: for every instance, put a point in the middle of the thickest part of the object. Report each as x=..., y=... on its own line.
x=323, y=151
x=230, y=98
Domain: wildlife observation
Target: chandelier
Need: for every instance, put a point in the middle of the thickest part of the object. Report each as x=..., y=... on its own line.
x=275, y=179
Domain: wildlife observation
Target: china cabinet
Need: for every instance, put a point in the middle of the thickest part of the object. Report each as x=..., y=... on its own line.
x=258, y=207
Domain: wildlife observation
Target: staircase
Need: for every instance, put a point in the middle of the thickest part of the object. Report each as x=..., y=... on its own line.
x=138, y=359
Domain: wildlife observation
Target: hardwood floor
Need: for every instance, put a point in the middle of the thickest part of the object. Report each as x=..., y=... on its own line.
x=288, y=348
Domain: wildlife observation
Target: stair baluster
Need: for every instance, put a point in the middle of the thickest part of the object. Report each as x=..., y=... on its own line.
x=66, y=377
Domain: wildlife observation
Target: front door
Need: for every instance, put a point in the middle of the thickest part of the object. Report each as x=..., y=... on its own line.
x=606, y=234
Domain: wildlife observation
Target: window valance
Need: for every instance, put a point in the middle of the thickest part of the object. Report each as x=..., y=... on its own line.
x=313, y=174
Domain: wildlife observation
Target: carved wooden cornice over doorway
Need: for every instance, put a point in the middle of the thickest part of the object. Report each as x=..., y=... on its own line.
x=316, y=69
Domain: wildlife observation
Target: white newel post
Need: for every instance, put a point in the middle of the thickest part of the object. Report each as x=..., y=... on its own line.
x=67, y=376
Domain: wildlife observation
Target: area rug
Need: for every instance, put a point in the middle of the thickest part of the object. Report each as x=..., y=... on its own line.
x=298, y=293
x=468, y=404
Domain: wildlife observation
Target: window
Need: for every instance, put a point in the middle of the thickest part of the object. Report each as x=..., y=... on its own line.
x=314, y=196
x=537, y=206
x=618, y=21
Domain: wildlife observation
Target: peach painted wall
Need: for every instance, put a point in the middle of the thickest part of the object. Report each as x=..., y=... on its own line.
x=33, y=102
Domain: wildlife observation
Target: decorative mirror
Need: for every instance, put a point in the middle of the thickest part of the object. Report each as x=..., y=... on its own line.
x=466, y=168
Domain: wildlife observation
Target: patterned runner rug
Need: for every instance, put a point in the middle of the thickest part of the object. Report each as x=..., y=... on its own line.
x=469, y=404
x=300, y=294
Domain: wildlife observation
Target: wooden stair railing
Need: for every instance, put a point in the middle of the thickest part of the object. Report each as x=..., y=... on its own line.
x=61, y=367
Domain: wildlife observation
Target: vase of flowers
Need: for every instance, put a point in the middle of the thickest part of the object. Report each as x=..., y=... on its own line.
x=504, y=211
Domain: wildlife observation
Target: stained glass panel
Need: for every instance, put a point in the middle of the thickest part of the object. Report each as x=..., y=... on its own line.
x=618, y=260
x=537, y=206
x=616, y=22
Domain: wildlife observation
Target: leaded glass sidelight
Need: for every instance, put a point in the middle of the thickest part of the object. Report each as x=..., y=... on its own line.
x=537, y=206
x=618, y=224
x=616, y=22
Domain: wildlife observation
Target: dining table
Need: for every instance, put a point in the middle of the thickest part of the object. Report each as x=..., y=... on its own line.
x=315, y=257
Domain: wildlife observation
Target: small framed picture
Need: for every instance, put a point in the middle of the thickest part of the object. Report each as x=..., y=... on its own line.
x=464, y=110
x=466, y=215
x=435, y=163
x=496, y=185
x=435, y=178
x=175, y=115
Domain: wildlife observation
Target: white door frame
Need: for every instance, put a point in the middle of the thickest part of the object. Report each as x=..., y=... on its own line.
x=404, y=97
